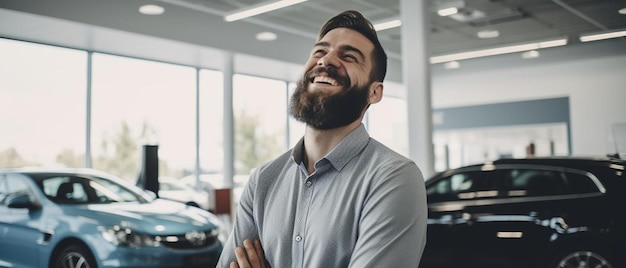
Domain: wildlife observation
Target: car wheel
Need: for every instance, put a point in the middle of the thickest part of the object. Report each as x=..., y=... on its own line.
x=74, y=256
x=582, y=259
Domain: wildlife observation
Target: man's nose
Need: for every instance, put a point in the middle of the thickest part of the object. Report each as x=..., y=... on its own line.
x=329, y=59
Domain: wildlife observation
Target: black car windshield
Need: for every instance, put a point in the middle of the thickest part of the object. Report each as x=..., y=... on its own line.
x=73, y=189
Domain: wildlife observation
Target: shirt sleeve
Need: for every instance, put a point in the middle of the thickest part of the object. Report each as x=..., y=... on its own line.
x=244, y=226
x=392, y=229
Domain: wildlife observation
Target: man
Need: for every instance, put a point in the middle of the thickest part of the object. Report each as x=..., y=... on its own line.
x=339, y=198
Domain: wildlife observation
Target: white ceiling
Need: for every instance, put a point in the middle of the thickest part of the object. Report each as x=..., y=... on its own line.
x=201, y=22
x=518, y=21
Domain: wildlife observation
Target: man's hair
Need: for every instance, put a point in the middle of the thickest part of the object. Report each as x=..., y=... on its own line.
x=355, y=21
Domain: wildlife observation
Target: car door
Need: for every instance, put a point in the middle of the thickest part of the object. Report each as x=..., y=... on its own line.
x=19, y=232
x=450, y=198
x=515, y=228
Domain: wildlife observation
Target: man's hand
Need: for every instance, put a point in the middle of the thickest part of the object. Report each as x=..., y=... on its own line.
x=251, y=256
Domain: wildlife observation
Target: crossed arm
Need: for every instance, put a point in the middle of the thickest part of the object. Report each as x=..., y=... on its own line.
x=250, y=256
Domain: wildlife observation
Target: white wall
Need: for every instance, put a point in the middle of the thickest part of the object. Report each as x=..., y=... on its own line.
x=592, y=75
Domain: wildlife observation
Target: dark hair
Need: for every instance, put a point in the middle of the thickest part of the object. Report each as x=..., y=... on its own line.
x=355, y=21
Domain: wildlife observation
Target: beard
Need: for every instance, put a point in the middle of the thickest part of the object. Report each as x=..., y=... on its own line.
x=324, y=111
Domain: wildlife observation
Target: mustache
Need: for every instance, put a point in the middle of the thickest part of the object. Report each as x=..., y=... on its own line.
x=330, y=72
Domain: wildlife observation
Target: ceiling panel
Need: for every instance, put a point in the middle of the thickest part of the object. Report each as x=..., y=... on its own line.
x=201, y=21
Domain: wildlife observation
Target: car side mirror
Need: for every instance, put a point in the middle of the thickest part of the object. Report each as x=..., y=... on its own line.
x=21, y=201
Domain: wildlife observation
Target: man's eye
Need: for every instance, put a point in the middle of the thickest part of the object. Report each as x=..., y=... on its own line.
x=350, y=58
x=319, y=53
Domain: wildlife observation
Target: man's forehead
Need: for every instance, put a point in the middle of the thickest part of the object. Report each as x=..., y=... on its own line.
x=345, y=36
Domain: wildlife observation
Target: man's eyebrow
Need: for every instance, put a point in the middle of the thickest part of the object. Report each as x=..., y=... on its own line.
x=343, y=48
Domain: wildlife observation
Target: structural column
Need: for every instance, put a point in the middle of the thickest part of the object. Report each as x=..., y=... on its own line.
x=229, y=129
x=416, y=79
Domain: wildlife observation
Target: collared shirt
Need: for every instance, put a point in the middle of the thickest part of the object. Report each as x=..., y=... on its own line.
x=363, y=206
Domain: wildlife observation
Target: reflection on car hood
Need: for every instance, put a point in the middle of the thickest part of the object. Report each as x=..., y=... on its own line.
x=157, y=217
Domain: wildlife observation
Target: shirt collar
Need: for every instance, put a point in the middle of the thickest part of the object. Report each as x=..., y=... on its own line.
x=349, y=147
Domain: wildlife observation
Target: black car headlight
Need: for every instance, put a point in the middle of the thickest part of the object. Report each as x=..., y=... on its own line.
x=126, y=237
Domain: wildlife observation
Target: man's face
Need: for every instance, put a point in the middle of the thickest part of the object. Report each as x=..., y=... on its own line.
x=334, y=89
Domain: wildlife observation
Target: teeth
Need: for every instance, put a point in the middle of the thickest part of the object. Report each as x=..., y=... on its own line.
x=325, y=79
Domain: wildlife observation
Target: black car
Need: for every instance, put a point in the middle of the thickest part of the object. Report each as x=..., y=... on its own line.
x=532, y=212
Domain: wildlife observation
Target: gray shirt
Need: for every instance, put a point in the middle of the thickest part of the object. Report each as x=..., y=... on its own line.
x=364, y=206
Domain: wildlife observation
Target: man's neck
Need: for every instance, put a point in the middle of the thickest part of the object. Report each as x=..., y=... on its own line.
x=318, y=143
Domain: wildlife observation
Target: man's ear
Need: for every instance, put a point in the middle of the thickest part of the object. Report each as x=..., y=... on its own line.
x=376, y=92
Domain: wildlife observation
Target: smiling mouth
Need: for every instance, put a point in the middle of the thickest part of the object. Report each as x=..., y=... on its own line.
x=325, y=80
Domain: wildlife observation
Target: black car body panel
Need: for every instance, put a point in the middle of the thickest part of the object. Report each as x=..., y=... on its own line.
x=531, y=212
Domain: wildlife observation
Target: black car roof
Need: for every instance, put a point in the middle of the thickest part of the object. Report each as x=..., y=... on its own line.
x=555, y=161
x=564, y=161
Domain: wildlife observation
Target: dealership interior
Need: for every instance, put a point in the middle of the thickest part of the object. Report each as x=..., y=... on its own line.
x=90, y=83
x=196, y=93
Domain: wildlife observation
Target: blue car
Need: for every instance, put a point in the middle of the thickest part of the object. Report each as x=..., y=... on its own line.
x=84, y=218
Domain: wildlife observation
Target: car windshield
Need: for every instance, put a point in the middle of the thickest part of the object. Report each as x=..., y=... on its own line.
x=73, y=189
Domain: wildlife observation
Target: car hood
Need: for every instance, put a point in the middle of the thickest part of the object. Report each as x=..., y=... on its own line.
x=157, y=217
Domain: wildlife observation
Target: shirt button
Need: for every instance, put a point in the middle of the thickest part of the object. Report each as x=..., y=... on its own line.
x=298, y=238
x=308, y=183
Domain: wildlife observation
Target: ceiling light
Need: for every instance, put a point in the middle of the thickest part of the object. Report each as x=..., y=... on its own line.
x=259, y=9
x=601, y=36
x=447, y=11
x=497, y=51
x=622, y=11
x=266, y=36
x=531, y=54
x=387, y=25
x=490, y=33
x=151, y=10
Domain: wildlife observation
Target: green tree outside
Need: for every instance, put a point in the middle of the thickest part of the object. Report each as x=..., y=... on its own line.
x=252, y=147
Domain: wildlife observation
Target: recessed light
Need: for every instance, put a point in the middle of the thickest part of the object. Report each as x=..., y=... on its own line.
x=266, y=36
x=489, y=33
x=447, y=11
x=622, y=11
x=151, y=10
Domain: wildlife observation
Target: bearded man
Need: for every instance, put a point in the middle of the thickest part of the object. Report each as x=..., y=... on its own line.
x=338, y=198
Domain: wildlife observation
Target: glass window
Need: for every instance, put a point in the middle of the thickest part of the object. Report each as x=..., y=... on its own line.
x=138, y=102
x=260, y=111
x=73, y=190
x=4, y=189
x=211, y=121
x=580, y=184
x=387, y=122
x=12, y=186
x=296, y=128
x=463, y=186
x=42, y=105
x=533, y=182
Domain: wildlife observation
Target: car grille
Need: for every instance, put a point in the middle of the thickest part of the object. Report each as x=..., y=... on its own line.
x=186, y=241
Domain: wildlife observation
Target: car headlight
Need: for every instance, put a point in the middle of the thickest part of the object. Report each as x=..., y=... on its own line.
x=126, y=237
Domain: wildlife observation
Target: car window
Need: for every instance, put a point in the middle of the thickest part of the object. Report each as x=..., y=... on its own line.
x=70, y=189
x=533, y=182
x=538, y=182
x=3, y=188
x=11, y=186
x=579, y=184
x=463, y=186
x=108, y=191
